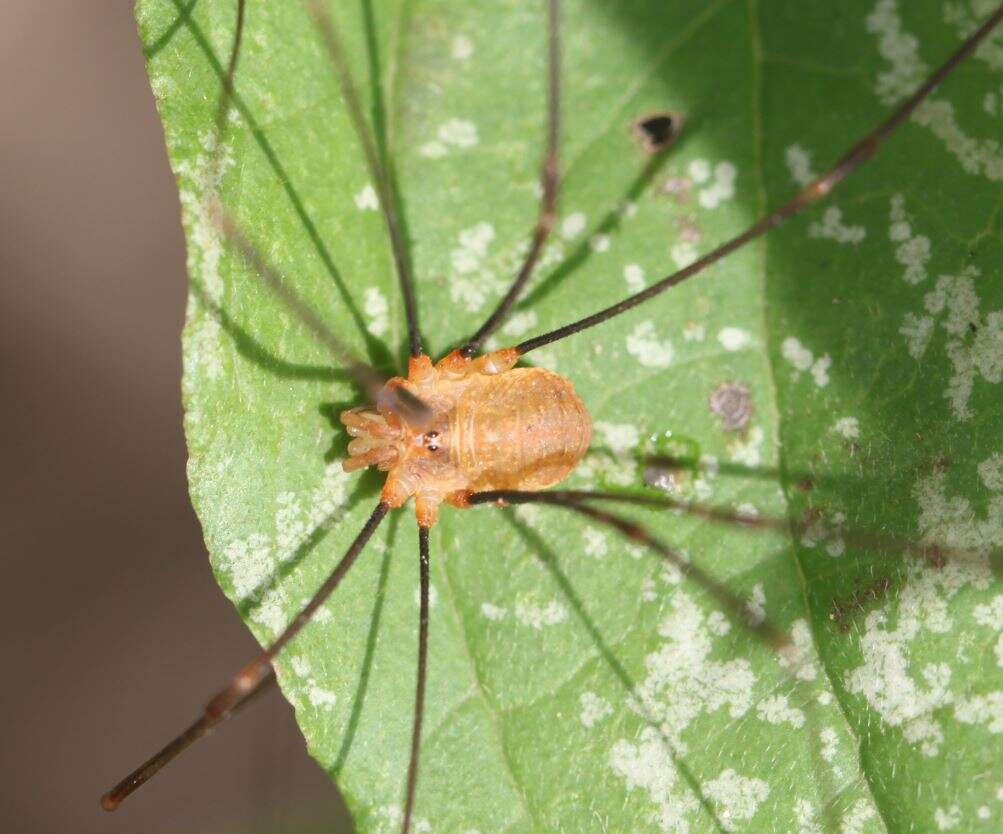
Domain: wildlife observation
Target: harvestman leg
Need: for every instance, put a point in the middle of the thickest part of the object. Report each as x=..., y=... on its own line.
x=377, y=169
x=253, y=676
x=770, y=635
x=250, y=679
x=394, y=398
x=388, y=202
x=259, y=672
x=566, y=499
x=419, y=691
x=814, y=191
x=866, y=540
x=398, y=400
x=549, y=183
x=544, y=224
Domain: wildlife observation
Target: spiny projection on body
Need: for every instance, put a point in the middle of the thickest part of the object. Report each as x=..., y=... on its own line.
x=475, y=429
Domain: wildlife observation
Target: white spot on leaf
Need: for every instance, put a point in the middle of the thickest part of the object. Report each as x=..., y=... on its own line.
x=493, y=612
x=377, y=308
x=833, y=228
x=734, y=338
x=462, y=48
x=633, y=274
x=536, y=616
x=594, y=709
x=651, y=352
x=573, y=225
x=799, y=164
x=847, y=427
x=723, y=188
x=366, y=199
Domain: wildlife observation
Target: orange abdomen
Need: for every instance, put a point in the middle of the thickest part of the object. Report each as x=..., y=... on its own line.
x=522, y=429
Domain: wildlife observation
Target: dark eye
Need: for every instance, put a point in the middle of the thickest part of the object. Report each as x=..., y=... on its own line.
x=432, y=447
x=430, y=443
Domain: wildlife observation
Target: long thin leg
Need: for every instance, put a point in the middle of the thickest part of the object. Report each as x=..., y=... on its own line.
x=377, y=170
x=549, y=182
x=395, y=398
x=864, y=539
x=849, y=162
x=248, y=681
x=398, y=400
x=767, y=632
x=419, y=692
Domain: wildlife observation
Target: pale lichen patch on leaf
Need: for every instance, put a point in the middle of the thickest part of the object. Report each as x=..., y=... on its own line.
x=573, y=225
x=250, y=562
x=830, y=743
x=618, y=437
x=975, y=341
x=651, y=351
x=947, y=818
x=802, y=359
x=633, y=274
x=493, y=612
x=832, y=227
x=683, y=681
x=826, y=528
x=462, y=48
x=520, y=323
x=854, y=820
x=683, y=253
x=965, y=17
x=594, y=709
x=377, y=308
x=529, y=612
x=798, y=657
x=847, y=428
x=796, y=353
x=722, y=189
x=912, y=250
x=905, y=73
x=903, y=695
x=199, y=180
x=799, y=165
x=748, y=450
x=777, y=710
x=991, y=472
x=472, y=281
x=737, y=797
x=600, y=243
x=648, y=765
x=595, y=543
x=805, y=815
x=917, y=331
x=460, y=134
x=755, y=605
x=734, y=338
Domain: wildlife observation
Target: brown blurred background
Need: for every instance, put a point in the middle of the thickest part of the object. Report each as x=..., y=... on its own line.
x=112, y=628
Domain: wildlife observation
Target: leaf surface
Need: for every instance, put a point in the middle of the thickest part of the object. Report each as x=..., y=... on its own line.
x=575, y=682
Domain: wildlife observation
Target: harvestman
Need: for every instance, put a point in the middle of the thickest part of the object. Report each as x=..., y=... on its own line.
x=474, y=429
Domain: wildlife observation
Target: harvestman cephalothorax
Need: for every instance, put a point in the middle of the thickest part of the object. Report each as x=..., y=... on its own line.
x=474, y=429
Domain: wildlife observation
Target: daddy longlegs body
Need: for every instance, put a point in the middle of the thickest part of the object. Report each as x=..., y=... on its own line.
x=474, y=429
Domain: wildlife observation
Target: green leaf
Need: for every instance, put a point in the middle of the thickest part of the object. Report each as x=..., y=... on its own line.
x=576, y=683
